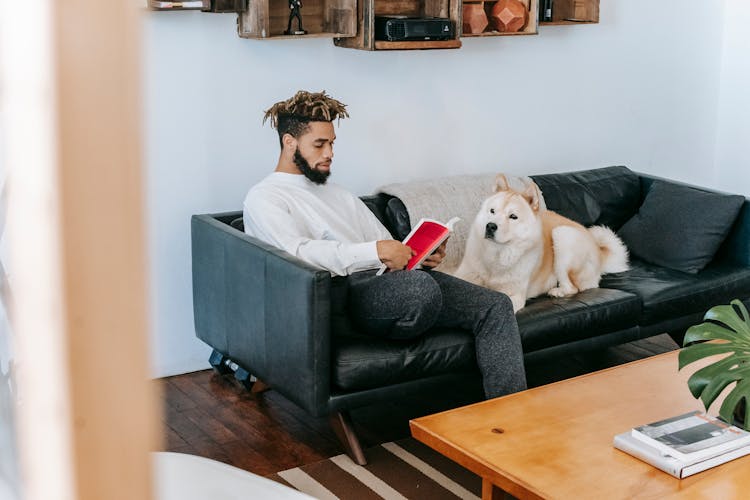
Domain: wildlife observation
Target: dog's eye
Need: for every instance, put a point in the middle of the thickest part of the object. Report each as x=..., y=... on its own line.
x=492, y=210
x=513, y=216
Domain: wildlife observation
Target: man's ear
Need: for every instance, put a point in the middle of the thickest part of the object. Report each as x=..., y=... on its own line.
x=501, y=183
x=531, y=194
x=289, y=142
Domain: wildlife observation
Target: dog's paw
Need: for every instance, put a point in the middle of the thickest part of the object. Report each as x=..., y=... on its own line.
x=561, y=292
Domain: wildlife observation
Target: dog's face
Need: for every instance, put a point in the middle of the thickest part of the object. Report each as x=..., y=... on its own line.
x=509, y=216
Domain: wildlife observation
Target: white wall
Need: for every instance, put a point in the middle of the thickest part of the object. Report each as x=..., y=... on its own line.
x=733, y=131
x=640, y=89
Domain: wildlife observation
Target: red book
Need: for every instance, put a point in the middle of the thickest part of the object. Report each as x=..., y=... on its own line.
x=424, y=239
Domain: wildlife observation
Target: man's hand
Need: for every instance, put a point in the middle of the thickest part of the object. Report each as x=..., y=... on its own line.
x=394, y=254
x=436, y=257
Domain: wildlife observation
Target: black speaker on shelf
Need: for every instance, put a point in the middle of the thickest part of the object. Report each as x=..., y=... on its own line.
x=395, y=29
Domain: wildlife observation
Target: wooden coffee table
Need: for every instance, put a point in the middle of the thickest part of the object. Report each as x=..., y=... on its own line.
x=555, y=441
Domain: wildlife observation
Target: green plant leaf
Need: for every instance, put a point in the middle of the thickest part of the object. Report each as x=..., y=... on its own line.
x=719, y=375
x=740, y=392
x=725, y=330
x=707, y=331
x=699, y=382
x=734, y=327
x=695, y=352
x=728, y=315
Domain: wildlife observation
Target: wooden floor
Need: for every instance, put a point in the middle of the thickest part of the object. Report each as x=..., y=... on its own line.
x=213, y=416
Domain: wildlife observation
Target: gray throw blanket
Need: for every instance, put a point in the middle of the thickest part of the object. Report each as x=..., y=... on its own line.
x=444, y=198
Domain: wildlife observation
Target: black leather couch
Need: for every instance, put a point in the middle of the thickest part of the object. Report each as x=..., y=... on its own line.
x=268, y=313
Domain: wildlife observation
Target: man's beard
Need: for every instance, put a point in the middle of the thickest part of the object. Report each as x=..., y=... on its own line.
x=316, y=176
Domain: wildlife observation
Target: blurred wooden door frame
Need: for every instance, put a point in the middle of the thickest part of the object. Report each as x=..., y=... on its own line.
x=70, y=80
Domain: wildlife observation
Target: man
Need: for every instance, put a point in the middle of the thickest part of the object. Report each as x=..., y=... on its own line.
x=297, y=210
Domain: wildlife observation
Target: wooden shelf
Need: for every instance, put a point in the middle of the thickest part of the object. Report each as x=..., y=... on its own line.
x=565, y=23
x=266, y=19
x=217, y=6
x=368, y=9
x=426, y=44
x=570, y=12
x=167, y=5
x=529, y=29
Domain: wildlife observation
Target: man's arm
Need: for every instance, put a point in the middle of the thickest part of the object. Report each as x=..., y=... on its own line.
x=394, y=254
x=272, y=223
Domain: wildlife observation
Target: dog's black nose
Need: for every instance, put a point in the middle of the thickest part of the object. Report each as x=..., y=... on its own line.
x=489, y=230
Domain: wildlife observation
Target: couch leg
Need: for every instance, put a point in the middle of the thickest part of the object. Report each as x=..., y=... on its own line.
x=224, y=365
x=244, y=377
x=220, y=363
x=342, y=426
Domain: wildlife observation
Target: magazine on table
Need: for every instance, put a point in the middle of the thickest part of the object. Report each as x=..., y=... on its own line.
x=673, y=466
x=426, y=236
x=685, y=444
x=692, y=436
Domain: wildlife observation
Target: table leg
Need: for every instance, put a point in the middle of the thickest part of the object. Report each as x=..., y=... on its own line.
x=492, y=492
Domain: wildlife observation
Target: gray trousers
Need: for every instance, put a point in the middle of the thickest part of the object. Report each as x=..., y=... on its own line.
x=405, y=304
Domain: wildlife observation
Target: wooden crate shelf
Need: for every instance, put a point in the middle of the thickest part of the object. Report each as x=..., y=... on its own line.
x=368, y=9
x=530, y=28
x=411, y=45
x=570, y=12
x=266, y=19
x=177, y=5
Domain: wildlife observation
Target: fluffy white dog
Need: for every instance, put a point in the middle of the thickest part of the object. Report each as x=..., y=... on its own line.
x=522, y=250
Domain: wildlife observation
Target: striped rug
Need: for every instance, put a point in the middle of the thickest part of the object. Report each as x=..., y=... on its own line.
x=399, y=470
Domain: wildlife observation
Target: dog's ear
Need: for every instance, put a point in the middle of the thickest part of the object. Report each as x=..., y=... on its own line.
x=501, y=183
x=531, y=194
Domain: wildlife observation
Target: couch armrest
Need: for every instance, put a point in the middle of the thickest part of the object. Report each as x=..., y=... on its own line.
x=264, y=308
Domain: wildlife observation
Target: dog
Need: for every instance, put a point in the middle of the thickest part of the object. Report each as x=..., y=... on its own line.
x=524, y=250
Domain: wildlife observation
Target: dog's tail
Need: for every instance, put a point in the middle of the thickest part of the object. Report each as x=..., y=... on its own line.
x=613, y=252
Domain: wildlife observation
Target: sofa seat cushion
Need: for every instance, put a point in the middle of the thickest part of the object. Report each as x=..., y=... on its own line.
x=666, y=293
x=548, y=321
x=363, y=362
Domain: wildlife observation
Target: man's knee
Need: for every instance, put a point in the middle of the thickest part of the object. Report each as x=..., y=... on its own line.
x=503, y=302
x=494, y=299
x=419, y=283
x=421, y=300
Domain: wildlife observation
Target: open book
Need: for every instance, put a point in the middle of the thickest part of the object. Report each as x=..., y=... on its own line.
x=424, y=238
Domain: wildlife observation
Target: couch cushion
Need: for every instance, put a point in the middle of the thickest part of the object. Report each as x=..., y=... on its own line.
x=666, y=293
x=608, y=196
x=680, y=227
x=363, y=362
x=377, y=204
x=548, y=321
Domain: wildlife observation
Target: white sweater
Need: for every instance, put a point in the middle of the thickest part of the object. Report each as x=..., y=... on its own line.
x=324, y=225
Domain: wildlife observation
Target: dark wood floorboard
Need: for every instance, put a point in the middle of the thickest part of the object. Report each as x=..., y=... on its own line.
x=213, y=416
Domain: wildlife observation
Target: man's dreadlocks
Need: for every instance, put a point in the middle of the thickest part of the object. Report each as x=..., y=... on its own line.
x=293, y=115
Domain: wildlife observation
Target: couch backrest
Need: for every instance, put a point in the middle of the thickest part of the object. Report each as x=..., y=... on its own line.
x=736, y=246
x=608, y=196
